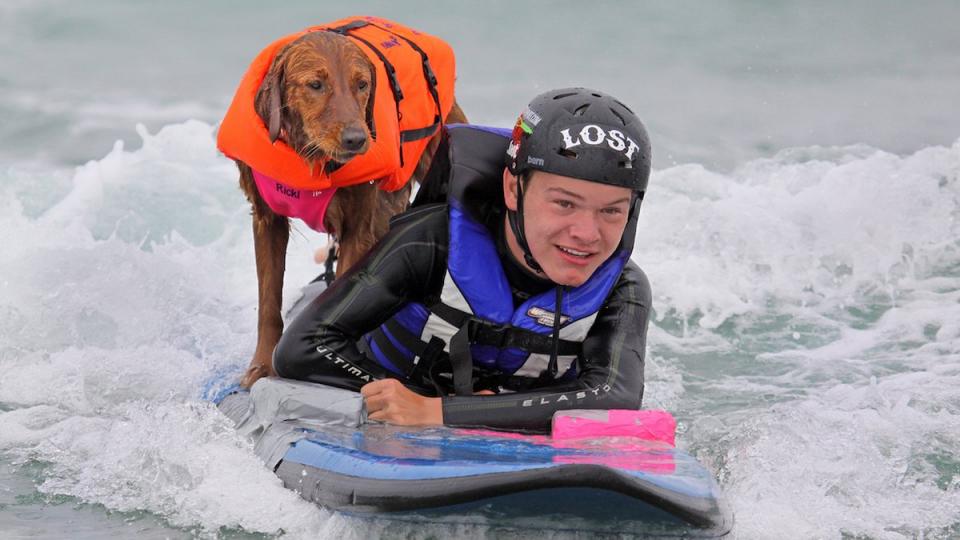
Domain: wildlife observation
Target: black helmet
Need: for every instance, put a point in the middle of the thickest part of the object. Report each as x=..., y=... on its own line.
x=585, y=134
x=581, y=133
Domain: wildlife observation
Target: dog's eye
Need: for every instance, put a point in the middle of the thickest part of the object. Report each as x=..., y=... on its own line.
x=362, y=85
x=316, y=85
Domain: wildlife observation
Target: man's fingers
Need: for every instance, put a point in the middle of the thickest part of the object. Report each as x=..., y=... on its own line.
x=376, y=387
x=390, y=401
x=373, y=388
x=370, y=388
x=386, y=414
x=376, y=402
x=378, y=416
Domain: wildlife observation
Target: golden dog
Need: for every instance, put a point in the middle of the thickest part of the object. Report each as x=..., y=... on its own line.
x=317, y=98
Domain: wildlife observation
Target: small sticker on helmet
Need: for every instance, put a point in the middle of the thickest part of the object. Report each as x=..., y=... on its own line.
x=512, y=149
x=517, y=131
x=531, y=117
x=515, y=138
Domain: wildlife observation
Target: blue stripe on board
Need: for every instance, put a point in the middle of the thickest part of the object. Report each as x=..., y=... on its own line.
x=689, y=478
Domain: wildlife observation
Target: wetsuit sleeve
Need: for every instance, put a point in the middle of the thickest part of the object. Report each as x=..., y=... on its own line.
x=610, y=375
x=319, y=345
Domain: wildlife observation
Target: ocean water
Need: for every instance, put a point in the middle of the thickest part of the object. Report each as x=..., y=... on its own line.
x=801, y=233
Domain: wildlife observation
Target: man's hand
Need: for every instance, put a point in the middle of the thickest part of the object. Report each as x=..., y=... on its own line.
x=388, y=400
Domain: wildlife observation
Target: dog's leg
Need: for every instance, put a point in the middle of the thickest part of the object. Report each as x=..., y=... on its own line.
x=270, y=235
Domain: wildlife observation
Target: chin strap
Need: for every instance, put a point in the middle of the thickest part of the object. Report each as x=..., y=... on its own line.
x=516, y=224
x=551, y=372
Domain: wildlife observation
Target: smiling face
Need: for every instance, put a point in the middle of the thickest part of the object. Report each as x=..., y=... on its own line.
x=572, y=226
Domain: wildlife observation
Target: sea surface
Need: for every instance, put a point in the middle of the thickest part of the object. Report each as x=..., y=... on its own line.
x=801, y=233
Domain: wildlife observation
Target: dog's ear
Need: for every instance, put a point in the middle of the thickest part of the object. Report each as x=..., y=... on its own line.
x=276, y=102
x=269, y=102
x=371, y=102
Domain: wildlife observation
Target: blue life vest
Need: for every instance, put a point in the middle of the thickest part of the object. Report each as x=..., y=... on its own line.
x=510, y=340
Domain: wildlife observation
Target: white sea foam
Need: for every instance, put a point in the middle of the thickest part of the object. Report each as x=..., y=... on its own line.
x=799, y=231
x=807, y=336
x=825, y=284
x=116, y=303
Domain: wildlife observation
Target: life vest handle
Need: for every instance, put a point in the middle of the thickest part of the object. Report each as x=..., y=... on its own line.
x=428, y=73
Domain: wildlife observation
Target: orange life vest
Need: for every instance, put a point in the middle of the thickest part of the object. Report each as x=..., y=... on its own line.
x=414, y=92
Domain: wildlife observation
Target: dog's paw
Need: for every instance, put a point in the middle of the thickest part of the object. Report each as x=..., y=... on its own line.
x=253, y=374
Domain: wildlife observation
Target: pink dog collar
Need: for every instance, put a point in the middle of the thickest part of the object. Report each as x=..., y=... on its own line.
x=309, y=206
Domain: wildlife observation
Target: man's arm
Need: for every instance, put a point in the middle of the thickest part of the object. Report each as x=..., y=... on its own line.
x=320, y=344
x=610, y=377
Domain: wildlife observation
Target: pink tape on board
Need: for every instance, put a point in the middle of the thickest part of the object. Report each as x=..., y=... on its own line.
x=624, y=439
x=651, y=425
x=310, y=206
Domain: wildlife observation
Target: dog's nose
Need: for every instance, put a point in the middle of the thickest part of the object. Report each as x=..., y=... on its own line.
x=353, y=139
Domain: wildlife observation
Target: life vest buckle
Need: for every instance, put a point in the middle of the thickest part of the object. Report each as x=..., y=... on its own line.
x=486, y=333
x=428, y=73
x=394, y=82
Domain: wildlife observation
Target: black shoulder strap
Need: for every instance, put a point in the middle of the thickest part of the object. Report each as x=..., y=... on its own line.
x=429, y=77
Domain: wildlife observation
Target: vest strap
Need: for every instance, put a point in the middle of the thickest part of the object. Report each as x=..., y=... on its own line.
x=428, y=74
x=391, y=71
x=349, y=26
x=429, y=77
x=425, y=353
x=503, y=336
x=461, y=362
x=410, y=135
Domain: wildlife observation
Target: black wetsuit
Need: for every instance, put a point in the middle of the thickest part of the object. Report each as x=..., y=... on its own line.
x=409, y=265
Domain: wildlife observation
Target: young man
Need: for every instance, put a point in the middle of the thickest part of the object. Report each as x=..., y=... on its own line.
x=452, y=318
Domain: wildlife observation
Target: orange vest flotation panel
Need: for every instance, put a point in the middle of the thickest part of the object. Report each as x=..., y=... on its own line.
x=414, y=92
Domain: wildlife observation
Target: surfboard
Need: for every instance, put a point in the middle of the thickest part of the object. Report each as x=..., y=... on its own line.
x=317, y=440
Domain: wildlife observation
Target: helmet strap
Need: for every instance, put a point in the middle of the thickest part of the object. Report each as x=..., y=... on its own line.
x=637, y=200
x=516, y=224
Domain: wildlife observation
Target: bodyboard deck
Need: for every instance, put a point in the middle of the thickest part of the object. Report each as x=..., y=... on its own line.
x=316, y=440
